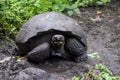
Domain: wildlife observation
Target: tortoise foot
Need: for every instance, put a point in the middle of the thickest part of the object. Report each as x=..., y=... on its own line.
x=75, y=48
x=81, y=58
x=39, y=54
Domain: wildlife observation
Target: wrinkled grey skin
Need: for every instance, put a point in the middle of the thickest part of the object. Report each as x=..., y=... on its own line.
x=40, y=30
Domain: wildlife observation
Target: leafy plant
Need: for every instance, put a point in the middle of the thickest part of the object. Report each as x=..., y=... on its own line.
x=13, y=13
x=102, y=2
x=76, y=78
x=100, y=72
x=94, y=55
x=85, y=3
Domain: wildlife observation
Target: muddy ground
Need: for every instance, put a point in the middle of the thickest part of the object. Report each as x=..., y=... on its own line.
x=102, y=28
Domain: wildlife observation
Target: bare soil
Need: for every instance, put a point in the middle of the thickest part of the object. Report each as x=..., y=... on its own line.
x=102, y=28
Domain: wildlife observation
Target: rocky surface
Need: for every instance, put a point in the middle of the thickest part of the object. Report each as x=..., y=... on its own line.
x=102, y=27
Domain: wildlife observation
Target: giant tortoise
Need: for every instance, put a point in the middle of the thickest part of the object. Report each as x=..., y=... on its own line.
x=52, y=34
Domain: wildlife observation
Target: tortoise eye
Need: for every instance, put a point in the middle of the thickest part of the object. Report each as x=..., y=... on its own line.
x=54, y=42
x=61, y=42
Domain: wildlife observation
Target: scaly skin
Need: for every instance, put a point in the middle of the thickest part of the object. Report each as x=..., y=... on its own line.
x=39, y=54
x=77, y=51
x=72, y=50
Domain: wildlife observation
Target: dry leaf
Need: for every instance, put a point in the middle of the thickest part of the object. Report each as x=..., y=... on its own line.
x=5, y=59
x=96, y=19
x=99, y=12
x=20, y=58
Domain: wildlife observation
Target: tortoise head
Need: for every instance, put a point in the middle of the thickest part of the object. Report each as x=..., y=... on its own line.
x=58, y=40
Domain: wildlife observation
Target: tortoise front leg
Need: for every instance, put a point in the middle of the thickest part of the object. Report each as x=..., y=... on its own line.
x=76, y=50
x=39, y=54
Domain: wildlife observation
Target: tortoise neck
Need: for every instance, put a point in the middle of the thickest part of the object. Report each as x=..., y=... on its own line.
x=57, y=47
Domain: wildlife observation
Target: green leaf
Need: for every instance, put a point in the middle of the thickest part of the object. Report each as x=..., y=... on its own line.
x=116, y=78
x=70, y=13
x=99, y=3
x=94, y=55
x=74, y=6
x=76, y=78
x=103, y=68
x=76, y=10
x=106, y=76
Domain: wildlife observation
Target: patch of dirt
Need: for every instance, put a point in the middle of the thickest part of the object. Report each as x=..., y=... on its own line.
x=102, y=27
